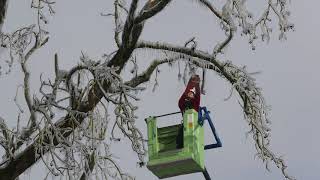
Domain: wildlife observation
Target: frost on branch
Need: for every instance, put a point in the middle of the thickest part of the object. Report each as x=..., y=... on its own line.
x=236, y=11
x=5, y=141
x=80, y=149
x=256, y=113
x=122, y=96
x=18, y=42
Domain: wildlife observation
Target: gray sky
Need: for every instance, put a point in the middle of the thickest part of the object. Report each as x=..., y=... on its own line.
x=289, y=78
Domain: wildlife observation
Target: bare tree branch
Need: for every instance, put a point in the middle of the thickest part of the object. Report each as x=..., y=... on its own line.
x=187, y=51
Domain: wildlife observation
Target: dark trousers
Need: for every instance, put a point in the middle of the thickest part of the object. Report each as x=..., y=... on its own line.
x=179, y=139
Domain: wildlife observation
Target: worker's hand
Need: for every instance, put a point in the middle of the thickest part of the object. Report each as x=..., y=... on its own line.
x=190, y=95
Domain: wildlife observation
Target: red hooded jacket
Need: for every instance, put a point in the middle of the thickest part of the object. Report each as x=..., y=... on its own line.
x=192, y=86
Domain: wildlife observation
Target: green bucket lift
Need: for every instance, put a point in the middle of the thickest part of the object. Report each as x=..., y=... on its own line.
x=165, y=160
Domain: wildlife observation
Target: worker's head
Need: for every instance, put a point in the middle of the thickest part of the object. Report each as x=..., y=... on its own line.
x=195, y=78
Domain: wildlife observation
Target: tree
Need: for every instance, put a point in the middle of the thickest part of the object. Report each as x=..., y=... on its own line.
x=67, y=122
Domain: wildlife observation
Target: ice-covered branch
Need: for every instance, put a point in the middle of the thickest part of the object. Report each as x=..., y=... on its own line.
x=256, y=113
x=145, y=76
x=181, y=50
x=26, y=83
x=236, y=11
x=129, y=23
x=5, y=139
x=151, y=9
x=117, y=22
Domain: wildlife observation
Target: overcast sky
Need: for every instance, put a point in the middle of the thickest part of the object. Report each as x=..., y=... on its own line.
x=290, y=81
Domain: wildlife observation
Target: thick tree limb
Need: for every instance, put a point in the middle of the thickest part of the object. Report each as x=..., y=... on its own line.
x=151, y=9
x=3, y=10
x=129, y=23
x=131, y=34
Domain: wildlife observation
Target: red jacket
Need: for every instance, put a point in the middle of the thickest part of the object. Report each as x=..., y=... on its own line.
x=192, y=85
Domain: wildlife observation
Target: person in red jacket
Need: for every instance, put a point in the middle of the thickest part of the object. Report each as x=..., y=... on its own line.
x=190, y=99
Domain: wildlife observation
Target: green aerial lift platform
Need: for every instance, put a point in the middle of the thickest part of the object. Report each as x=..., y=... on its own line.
x=165, y=160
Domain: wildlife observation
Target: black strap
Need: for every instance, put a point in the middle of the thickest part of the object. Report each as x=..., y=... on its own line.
x=167, y=114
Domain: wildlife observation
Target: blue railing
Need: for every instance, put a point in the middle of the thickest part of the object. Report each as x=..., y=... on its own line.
x=202, y=116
